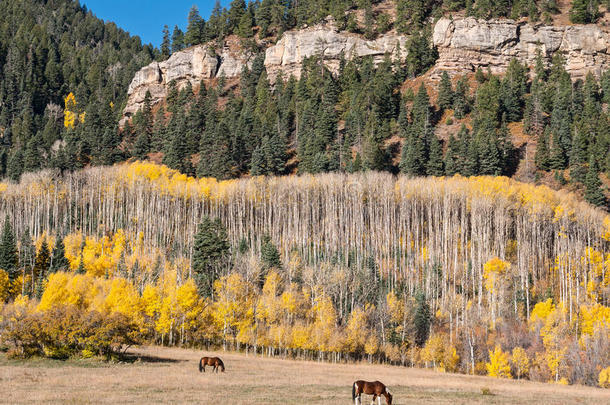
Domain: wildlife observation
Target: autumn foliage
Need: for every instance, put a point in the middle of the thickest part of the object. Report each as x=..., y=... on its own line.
x=479, y=275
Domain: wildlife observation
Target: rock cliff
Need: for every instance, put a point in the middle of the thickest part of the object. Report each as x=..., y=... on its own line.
x=466, y=44
x=189, y=66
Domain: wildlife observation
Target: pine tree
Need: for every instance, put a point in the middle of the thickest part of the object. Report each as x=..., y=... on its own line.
x=194, y=28
x=81, y=265
x=593, y=185
x=42, y=263
x=452, y=158
x=460, y=98
x=258, y=166
x=434, y=166
x=59, y=262
x=421, y=320
x=210, y=254
x=141, y=147
x=165, y=44
x=578, y=155
x=177, y=39
x=270, y=256
x=489, y=156
x=584, y=11
x=8, y=250
x=557, y=155
x=445, y=93
x=542, y=157
x=14, y=167
x=244, y=29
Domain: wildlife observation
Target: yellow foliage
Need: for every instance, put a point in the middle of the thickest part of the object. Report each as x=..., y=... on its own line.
x=520, y=361
x=70, y=111
x=606, y=228
x=498, y=364
x=396, y=307
x=434, y=350
x=356, y=330
x=493, y=270
x=101, y=256
x=592, y=317
x=5, y=286
x=541, y=312
x=372, y=345
x=604, y=378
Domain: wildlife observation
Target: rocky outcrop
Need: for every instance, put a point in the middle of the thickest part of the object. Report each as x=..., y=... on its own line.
x=189, y=66
x=295, y=46
x=466, y=44
x=286, y=56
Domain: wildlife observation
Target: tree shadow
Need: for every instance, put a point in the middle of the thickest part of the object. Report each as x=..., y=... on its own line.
x=143, y=358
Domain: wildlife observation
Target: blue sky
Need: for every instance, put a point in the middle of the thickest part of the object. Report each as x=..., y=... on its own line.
x=147, y=17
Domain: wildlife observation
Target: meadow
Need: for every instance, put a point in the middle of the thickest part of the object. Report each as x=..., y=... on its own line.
x=170, y=375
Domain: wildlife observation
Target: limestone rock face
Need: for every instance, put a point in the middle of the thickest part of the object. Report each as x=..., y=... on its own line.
x=295, y=46
x=467, y=44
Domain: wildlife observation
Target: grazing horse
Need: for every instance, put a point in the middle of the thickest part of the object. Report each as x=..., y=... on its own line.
x=211, y=361
x=375, y=388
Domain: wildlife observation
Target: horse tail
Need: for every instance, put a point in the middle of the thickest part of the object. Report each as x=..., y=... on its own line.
x=200, y=366
x=353, y=392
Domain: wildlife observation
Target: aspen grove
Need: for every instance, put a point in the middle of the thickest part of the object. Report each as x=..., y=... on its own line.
x=482, y=275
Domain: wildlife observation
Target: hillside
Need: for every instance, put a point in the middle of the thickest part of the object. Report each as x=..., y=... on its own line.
x=48, y=51
x=435, y=271
x=319, y=87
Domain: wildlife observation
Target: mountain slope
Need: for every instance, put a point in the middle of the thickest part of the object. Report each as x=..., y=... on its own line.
x=49, y=49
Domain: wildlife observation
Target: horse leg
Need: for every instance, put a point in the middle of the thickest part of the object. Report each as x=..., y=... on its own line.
x=374, y=397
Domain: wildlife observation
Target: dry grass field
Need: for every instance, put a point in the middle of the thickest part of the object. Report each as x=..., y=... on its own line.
x=167, y=375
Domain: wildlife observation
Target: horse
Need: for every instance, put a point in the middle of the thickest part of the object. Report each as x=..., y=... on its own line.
x=375, y=388
x=211, y=361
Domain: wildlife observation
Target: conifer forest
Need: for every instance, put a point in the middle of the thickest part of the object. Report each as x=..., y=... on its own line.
x=366, y=213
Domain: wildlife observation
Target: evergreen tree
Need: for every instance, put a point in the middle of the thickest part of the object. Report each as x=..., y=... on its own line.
x=258, y=164
x=593, y=185
x=584, y=11
x=177, y=39
x=194, y=28
x=270, y=258
x=542, y=157
x=210, y=254
x=42, y=263
x=452, y=158
x=165, y=43
x=434, y=166
x=8, y=251
x=445, y=93
x=578, y=155
x=81, y=265
x=460, y=98
x=59, y=262
x=421, y=320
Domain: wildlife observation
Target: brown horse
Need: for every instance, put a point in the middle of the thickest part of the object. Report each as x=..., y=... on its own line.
x=211, y=361
x=375, y=388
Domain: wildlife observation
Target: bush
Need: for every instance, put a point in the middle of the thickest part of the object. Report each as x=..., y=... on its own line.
x=66, y=331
